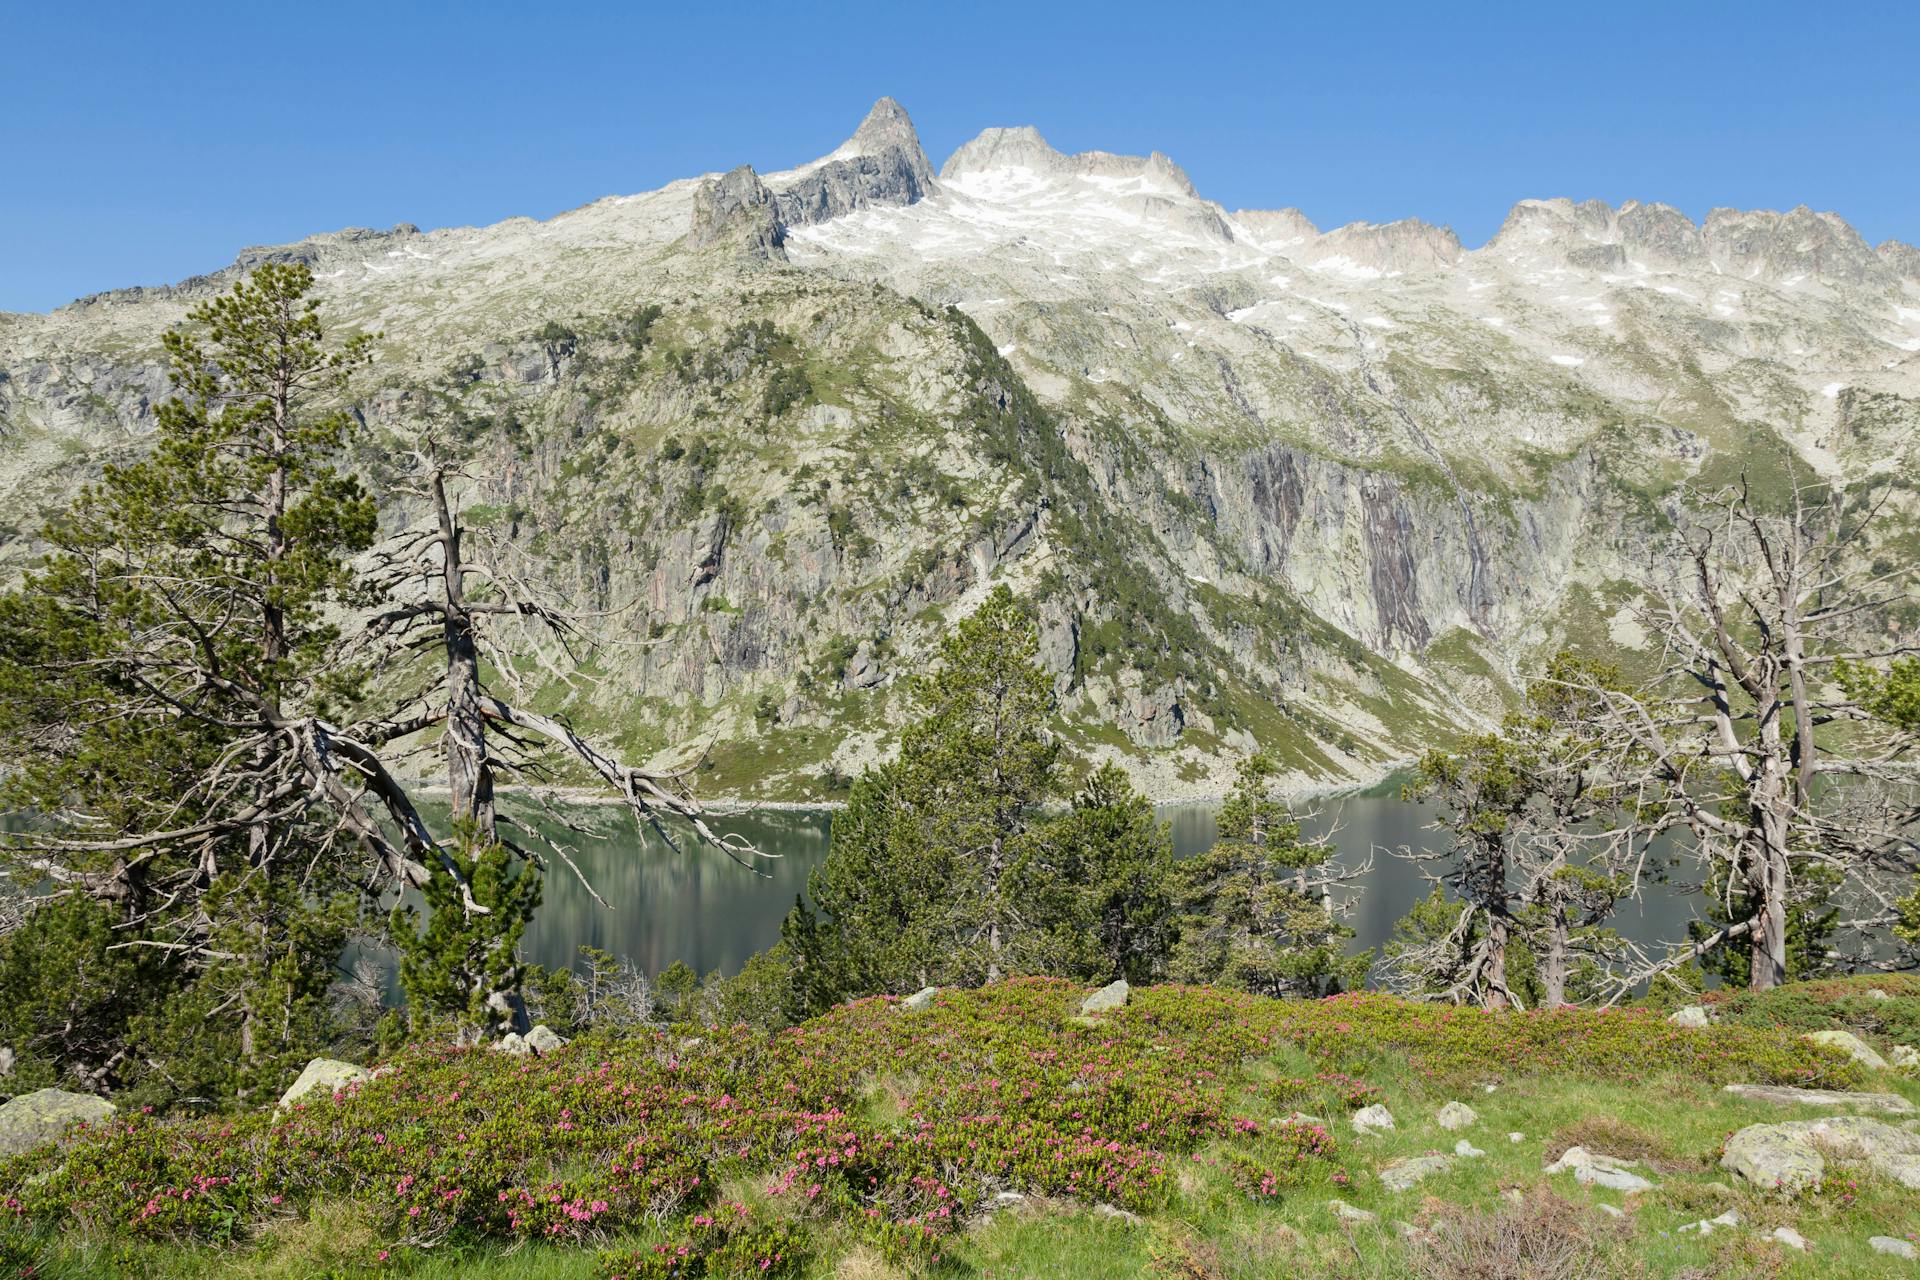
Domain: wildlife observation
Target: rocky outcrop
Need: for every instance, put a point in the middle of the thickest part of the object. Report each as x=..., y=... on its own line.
x=1792, y=1156
x=45, y=1115
x=737, y=209
x=1787, y=1095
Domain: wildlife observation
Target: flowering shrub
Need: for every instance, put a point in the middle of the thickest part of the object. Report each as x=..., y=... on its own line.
x=725, y=1242
x=985, y=1091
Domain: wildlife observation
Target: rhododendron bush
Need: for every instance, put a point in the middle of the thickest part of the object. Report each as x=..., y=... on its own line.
x=895, y=1125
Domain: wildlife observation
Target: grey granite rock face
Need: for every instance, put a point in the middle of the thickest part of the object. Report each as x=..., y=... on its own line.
x=737, y=208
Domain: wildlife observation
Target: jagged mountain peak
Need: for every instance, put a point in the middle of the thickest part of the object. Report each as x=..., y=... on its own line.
x=886, y=125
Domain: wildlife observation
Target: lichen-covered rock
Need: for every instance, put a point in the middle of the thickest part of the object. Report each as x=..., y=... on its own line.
x=1466, y=1150
x=1856, y=1048
x=1457, y=1115
x=1792, y=1156
x=47, y=1114
x=1890, y=1245
x=1350, y=1213
x=513, y=1043
x=1693, y=1015
x=1905, y=1058
x=1788, y=1095
x=919, y=1000
x=324, y=1073
x=1106, y=999
x=543, y=1039
x=1373, y=1119
x=1403, y=1175
x=1591, y=1168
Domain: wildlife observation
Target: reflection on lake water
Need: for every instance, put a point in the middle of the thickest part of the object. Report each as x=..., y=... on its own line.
x=699, y=906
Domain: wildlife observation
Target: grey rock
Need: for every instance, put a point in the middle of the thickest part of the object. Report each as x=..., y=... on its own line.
x=919, y=1000
x=543, y=1040
x=1106, y=999
x=45, y=1115
x=1403, y=1175
x=1373, y=1119
x=1693, y=1015
x=1856, y=1048
x=1787, y=1095
x=1117, y=1215
x=324, y=1073
x=1457, y=1115
x=1591, y=1168
x=1466, y=1150
x=1788, y=1237
x=1875, y=993
x=1904, y=1058
x=1516, y=1137
x=513, y=1043
x=1351, y=1213
x=738, y=209
x=1611, y=1210
x=1892, y=1246
x=1707, y=1226
x=1792, y=1156
x=863, y=668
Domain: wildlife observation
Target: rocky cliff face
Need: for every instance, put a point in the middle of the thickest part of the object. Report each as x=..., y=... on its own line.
x=1330, y=493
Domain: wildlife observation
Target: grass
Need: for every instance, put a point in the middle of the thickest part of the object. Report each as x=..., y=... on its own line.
x=1202, y=1081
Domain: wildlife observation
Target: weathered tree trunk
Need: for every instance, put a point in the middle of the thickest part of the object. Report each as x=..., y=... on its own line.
x=1553, y=965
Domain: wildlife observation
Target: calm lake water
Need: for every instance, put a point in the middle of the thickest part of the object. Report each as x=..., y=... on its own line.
x=699, y=906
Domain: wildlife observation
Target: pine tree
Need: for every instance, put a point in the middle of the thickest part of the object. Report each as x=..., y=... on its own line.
x=153, y=668
x=1257, y=910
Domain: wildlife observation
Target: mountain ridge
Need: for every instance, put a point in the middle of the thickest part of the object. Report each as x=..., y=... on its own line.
x=1263, y=483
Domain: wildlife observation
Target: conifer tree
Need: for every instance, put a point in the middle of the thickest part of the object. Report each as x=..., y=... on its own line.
x=1258, y=911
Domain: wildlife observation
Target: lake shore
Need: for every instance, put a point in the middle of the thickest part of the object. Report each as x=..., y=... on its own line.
x=598, y=796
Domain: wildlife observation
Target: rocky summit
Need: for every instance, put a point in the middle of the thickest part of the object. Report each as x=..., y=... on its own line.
x=1323, y=490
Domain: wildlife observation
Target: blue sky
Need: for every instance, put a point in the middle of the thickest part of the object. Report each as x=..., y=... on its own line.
x=143, y=143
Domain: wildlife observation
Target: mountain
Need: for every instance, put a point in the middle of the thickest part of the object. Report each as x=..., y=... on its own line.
x=1332, y=492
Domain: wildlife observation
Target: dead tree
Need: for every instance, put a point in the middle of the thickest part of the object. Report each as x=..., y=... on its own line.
x=1746, y=737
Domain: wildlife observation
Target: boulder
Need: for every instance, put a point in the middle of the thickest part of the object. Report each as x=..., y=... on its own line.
x=1402, y=1175
x=1457, y=1115
x=1693, y=1015
x=1350, y=1213
x=1875, y=993
x=543, y=1039
x=1789, y=1237
x=1106, y=999
x=514, y=1043
x=1373, y=1119
x=47, y=1114
x=328, y=1073
x=1591, y=1168
x=919, y=1000
x=1791, y=1156
x=1905, y=1058
x=1466, y=1150
x=1889, y=1245
x=1787, y=1095
x=1856, y=1048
